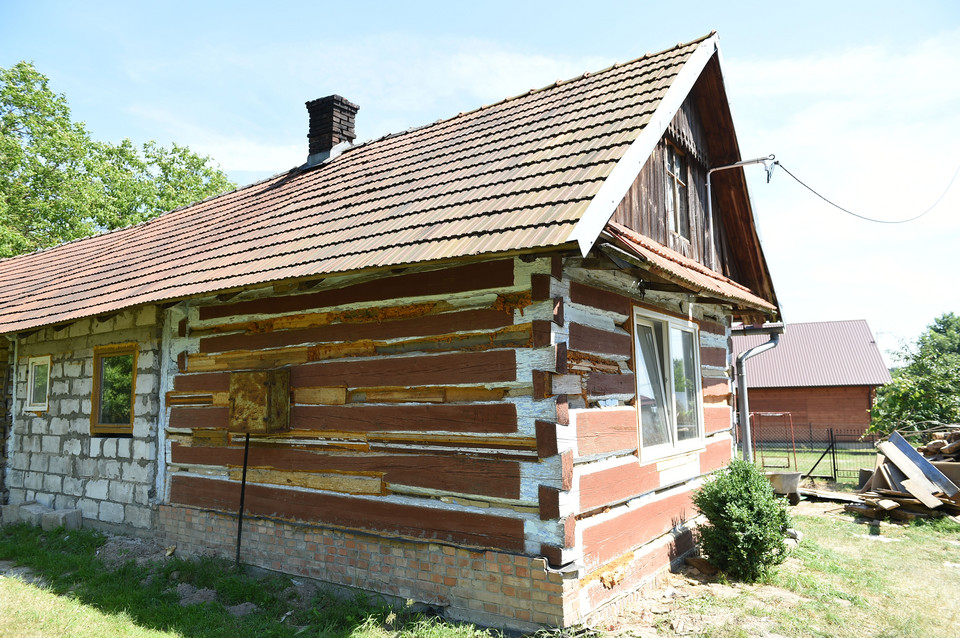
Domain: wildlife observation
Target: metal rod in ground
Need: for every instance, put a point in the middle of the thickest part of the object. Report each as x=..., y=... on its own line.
x=243, y=491
x=809, y=473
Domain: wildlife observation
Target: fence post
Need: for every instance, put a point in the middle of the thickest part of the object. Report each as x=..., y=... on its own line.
x=833, y=454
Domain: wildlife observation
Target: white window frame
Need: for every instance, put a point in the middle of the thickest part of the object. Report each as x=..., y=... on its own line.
x=677, y=191
x=34, y=403
x=662, y=325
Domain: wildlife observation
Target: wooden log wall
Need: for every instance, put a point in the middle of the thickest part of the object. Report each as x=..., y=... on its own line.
x=613, y=503
x=417, y=407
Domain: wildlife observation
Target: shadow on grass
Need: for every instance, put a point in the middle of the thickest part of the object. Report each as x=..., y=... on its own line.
x=148, y=594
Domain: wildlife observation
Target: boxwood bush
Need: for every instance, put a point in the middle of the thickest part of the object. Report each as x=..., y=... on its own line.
x=744, y=534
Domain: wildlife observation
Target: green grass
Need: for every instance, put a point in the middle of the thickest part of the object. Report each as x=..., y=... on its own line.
x=80, y=596
x=851, y=580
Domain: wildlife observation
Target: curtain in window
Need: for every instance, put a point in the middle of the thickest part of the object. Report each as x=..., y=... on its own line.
x=653, y=412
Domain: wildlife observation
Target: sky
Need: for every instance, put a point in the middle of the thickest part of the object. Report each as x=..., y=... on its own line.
x=859, y=100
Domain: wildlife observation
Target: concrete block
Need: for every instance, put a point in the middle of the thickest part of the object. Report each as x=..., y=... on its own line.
x=123, y=321
x=109, y=469
x=138, y=473
x=123, y=448
x=52, y=483
x=97, y=489
x=32, y=513
x=33, y=481
x=72, y=447
x=69, y=519
x=147, y=316
x=87, y=468
x=15, y=478
x=38, y=463
x=59, y=425
x=72, y=369
x=144, y=450
x=81, y=387
x=111, y=512
x=96, y=445
x=88, y=507
x=59, y=387
x=121, y=492
x=109, y=449
x=10, y=513
x=80, y=328
x=146, y=360
x=70, y=407
x=60, y=464
x=50, y=445
x=72, y=486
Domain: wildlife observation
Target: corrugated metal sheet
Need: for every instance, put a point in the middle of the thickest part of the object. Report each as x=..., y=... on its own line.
x=825, y=353
x=512, y=176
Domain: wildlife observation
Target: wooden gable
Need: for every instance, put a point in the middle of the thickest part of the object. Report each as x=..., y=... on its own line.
x=702, y=131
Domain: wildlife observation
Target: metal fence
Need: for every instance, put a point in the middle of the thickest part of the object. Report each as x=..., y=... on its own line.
x=833, y=453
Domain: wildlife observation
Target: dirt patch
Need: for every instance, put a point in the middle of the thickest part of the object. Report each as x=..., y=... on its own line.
x=190, y=595
x=671, y=610
x=8, y=569
x=120, y=549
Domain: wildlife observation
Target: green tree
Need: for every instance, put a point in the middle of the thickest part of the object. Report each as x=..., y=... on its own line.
x=57, y=184
x=926, y=390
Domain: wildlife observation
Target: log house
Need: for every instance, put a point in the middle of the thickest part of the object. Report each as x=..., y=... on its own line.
x=481, y=364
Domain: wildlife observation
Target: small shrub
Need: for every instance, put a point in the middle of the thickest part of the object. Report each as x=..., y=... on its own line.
x=744, y=535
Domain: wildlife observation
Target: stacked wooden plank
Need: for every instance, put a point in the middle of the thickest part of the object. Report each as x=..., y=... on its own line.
x=904, y=486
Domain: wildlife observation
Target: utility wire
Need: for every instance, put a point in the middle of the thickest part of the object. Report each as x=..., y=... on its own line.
x=870, y=219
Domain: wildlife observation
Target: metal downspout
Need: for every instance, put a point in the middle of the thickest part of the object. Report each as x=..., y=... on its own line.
x=742, y=402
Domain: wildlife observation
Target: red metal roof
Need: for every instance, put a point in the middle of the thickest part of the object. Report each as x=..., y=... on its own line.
x=824, y=353
x=512, y=176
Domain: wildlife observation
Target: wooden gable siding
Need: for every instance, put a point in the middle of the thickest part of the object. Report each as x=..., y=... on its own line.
x=412, y=404
x=643, y=209
x=609, y=482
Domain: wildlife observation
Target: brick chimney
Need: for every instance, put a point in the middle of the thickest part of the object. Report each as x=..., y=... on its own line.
x=331, y=123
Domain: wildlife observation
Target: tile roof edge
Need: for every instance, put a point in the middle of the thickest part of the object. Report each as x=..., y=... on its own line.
x=615, y=187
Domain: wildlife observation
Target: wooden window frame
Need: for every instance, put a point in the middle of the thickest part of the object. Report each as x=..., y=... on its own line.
x=99, y=353
x=33, y=364
x=663, y=324
x=677, y=190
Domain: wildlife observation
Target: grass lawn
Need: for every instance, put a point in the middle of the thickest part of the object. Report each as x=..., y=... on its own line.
x=845, y=579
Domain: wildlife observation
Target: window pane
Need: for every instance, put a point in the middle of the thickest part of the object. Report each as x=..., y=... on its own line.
x=684, y=383
x=653, y=412
x=38, y=390
x=116, y=389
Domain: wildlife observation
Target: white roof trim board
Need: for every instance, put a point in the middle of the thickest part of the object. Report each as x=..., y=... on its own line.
x=611, y=193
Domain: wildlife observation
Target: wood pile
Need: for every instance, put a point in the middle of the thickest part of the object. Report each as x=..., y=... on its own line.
x=905, y=485
x=943, y=446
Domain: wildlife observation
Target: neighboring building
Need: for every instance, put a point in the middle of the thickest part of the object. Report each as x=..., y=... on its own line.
x=481, y=364
x=823, y=374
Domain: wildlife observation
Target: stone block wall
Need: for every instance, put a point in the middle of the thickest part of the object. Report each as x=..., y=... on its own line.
x=6, y=354
x=495, y=589
x=54, y=458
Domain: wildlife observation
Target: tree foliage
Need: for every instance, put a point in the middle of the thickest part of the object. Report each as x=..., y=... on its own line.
x=57, y=184
x=926, y=390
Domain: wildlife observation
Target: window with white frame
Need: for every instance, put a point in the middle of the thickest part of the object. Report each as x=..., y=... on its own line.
x=669, y=401
x=676, y=199
x=38, y=384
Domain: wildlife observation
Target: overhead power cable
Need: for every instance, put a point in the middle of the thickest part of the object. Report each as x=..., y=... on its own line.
x=870, y=219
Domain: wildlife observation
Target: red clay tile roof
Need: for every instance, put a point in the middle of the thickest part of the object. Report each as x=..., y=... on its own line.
x=823, y=353
x=512, y=176
x=687, y=272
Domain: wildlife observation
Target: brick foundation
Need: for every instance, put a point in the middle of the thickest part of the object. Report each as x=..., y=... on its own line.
x=490, y=588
